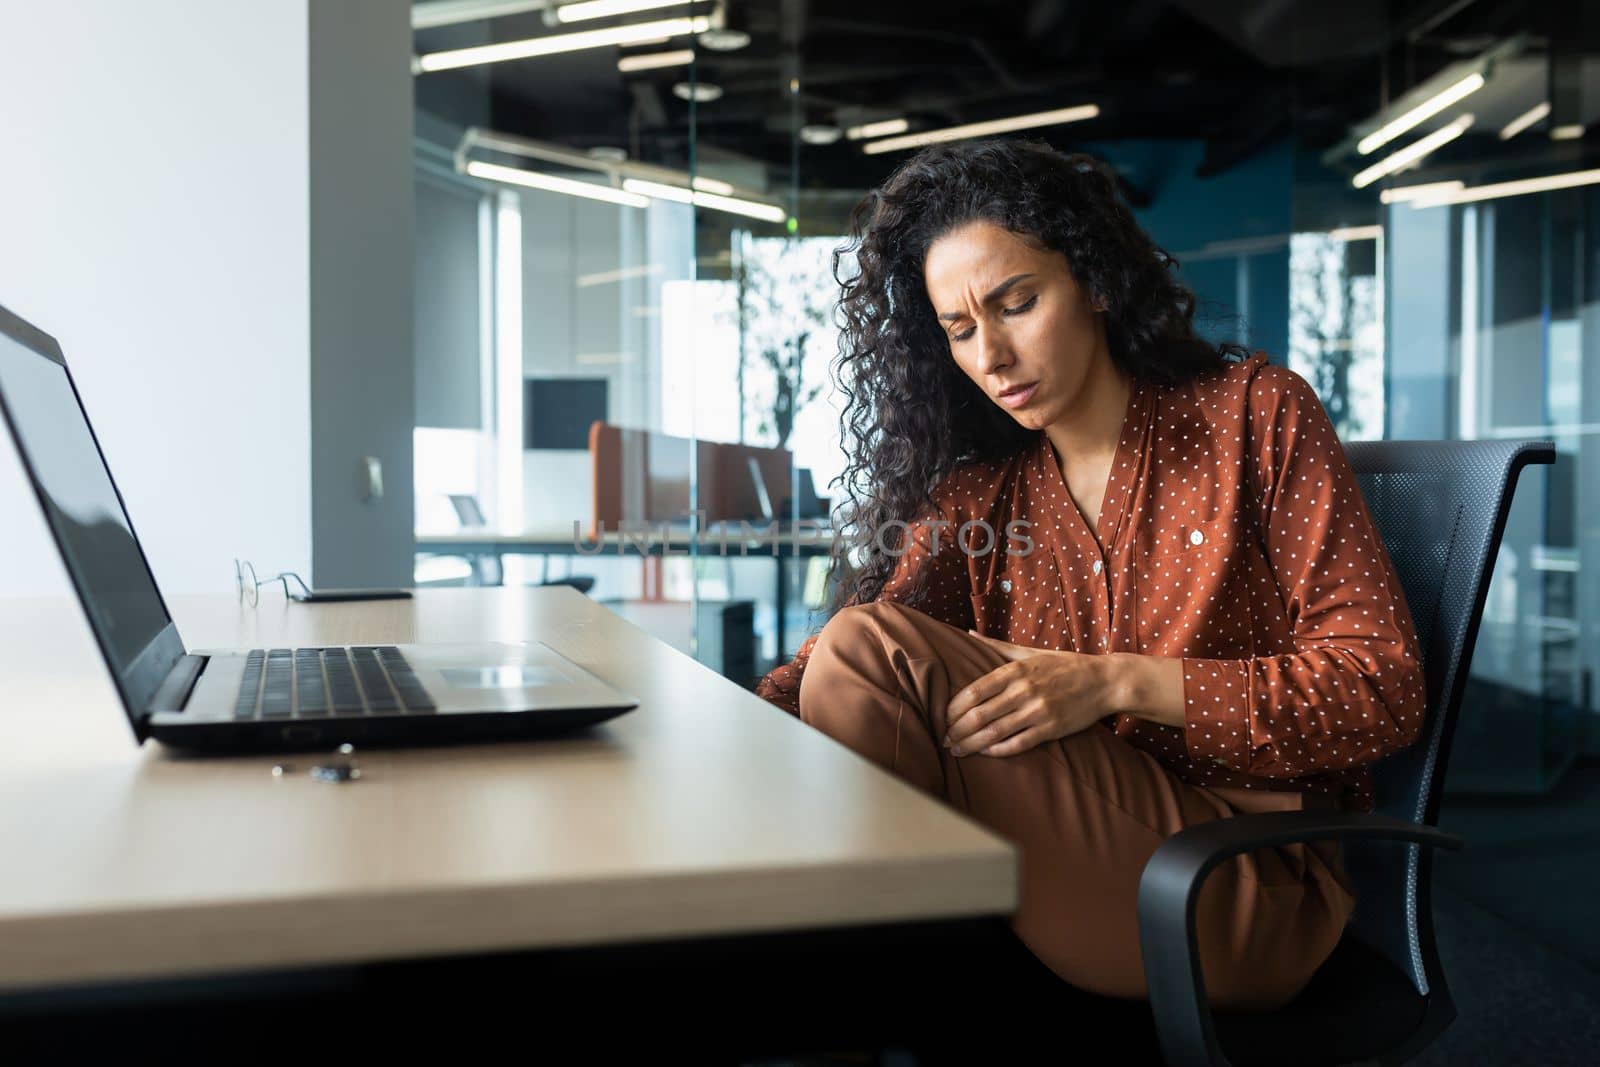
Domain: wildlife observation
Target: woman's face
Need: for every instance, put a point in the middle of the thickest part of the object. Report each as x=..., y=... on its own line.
x=1018, y=323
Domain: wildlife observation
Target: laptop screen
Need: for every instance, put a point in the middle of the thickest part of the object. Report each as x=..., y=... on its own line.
x=83, y=509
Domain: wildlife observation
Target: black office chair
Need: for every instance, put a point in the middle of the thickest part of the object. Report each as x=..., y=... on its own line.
x=1381, y=997
x=1441, y=509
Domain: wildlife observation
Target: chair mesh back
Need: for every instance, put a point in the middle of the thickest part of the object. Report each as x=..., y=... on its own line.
x=1440, y=507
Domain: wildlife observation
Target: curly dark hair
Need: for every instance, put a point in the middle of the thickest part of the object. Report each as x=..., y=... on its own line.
x=911, y=416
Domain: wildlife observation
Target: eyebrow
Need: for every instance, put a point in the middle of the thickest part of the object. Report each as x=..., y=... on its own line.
x=993, y=294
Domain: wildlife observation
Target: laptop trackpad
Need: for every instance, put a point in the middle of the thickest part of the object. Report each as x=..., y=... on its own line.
x=504, y=676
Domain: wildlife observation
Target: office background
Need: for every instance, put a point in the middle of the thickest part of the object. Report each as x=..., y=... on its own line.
x=273, y=252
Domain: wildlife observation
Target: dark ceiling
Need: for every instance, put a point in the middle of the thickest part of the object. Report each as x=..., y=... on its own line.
x=1238, y=75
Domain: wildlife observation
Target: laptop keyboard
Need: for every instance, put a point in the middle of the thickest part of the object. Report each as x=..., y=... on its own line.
x=314, y=683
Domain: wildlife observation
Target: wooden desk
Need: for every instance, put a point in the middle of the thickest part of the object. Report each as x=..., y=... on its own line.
x=703, y=812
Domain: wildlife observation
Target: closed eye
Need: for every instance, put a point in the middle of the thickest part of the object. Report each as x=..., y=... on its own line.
x=1020, y=309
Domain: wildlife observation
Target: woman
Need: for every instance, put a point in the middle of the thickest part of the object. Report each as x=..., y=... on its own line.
x=1114, y=580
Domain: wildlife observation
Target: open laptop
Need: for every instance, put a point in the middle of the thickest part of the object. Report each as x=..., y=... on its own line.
x=255, y=699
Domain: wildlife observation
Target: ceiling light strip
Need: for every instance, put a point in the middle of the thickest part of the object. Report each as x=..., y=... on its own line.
x=561, y=155
x=664, y=177
x=981, y=129
x=754, y=209
x=621, y=274
x=1548, y=183
x=1407, y=193
x=551, y=183
x=884, y=128
x=1413, y=152
x=1419, y=114
x=432, y=13
x=682, y=57
x=749, y=208
x=1356, y=233
x=557, y=43
x=1524, y=120
x=604, y=9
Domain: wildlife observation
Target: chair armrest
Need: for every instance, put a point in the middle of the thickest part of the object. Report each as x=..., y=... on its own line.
x=1170, y=887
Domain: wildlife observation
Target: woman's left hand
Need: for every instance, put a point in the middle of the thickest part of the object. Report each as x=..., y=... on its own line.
x=1039, y=696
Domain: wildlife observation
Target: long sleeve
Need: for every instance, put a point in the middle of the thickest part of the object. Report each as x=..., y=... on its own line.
x=930, y=551
x=1353, y=690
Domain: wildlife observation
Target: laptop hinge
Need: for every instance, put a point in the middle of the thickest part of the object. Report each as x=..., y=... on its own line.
x=173, y=693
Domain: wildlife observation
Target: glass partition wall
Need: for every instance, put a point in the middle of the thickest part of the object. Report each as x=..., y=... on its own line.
x=1486, y=243
x=623, y=322
x=1509, y=315
x=555, y=235
x=763, y=301
x=1430, y=268
x=1467, y=306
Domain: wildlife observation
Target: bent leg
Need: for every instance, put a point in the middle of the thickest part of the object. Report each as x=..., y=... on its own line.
x=1087, y=812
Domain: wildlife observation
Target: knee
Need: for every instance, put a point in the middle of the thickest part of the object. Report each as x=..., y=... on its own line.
x=857, y=628
x=852, y=642
x=843, y=640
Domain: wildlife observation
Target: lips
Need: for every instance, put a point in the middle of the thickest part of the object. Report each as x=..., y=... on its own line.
x=1018, y=395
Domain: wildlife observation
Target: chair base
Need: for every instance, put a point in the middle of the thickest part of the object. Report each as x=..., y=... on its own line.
x=1358, y=1009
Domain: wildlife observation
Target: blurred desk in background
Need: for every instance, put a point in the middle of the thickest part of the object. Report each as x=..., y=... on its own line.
x=648, y=543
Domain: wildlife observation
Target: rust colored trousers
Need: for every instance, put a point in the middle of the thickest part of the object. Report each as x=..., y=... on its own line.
x=1086, y=812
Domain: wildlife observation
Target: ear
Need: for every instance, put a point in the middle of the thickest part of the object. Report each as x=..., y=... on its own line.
x=1100, y=303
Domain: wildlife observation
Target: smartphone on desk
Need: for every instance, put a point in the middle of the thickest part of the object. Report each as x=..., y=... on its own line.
x=329, y=596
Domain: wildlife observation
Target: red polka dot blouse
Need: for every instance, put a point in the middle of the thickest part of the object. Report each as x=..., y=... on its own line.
x=1233, y=535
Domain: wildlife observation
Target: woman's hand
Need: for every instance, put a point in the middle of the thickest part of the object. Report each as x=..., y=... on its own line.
x=1039, y=696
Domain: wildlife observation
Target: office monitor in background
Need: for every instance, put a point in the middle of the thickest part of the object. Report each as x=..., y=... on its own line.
x=255, y=699
x=557, y=412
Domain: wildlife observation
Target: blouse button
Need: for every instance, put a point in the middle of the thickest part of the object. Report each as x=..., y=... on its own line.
x=1196, y=537
x=1005, y=585
x=1096, y=567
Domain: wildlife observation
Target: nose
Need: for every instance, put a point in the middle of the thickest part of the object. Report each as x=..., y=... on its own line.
x=994, y=353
